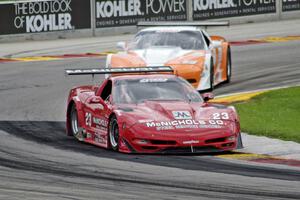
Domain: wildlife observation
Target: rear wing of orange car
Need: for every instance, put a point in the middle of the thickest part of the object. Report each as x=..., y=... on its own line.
x=123, y=70
x=183, y=23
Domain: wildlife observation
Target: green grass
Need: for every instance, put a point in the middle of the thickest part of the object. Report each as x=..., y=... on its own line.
x=273, y=114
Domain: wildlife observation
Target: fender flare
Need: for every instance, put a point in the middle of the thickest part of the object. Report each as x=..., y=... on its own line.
x=78, y=104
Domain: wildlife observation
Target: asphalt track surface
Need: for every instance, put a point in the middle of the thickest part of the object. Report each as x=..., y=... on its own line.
x=38, y=161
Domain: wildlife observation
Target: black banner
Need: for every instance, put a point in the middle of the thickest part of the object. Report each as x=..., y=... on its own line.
x=210, y=9
x=290, y=5
x=113, y=13
x=44, y=16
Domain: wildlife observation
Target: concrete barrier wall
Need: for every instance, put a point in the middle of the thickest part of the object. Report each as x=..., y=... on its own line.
x=21, y=20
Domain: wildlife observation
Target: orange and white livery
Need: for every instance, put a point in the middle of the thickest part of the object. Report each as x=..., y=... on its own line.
x=203, y=60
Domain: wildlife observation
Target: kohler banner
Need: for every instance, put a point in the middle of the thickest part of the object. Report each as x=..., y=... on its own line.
x=290, y=5
x=210, y=9
x=113, y=13
x=44, y=16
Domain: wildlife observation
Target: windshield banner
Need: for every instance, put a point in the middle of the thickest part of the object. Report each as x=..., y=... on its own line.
x=44, y=16
x=210, y=9
x=112, y=13
x=290, y=5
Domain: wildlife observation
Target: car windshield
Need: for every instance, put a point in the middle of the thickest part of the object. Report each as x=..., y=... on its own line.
x=135, y=91
x=190, y=40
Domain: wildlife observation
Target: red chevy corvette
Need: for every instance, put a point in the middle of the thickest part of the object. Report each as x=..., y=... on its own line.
x=145, y=112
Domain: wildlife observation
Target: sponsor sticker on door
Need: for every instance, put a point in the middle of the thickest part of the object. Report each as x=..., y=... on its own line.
x=182, y=115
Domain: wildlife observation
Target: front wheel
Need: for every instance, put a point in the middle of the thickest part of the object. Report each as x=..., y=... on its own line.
x=114, y=134
x=74, y=124
x=239, y=142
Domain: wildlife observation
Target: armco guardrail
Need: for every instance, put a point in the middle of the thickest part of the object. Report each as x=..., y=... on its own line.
x=42, y=19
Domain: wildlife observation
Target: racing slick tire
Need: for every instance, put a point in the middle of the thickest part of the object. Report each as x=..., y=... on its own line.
x=113, y=136
x=229, y=66
x=76, y=130
x=240, y=142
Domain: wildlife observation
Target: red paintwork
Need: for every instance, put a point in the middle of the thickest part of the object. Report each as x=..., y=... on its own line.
x=290, y=162
x=132, y=122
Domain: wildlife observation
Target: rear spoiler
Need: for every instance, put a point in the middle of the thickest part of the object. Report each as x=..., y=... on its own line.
x=118, y=70
x=183, y=23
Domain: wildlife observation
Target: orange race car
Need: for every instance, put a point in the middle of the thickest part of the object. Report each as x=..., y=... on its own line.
x=203, y=60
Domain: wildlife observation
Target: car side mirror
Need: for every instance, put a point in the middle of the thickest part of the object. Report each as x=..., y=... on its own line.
x=215, y=44
x=207, y=96
x=96, y=100
x=121, y=46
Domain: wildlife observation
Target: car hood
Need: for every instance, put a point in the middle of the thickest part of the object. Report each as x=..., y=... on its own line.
x=173, y=115
x=155, y=56
x=160, y=55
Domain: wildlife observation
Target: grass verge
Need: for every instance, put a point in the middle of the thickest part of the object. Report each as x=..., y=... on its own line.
x=273, y=114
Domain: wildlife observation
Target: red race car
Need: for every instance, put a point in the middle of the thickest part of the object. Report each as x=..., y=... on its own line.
x=145, y=112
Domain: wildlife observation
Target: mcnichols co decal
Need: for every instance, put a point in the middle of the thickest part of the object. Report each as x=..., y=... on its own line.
x=111, y=13
x=44, y=16
x=290, y=5
x=209, y=9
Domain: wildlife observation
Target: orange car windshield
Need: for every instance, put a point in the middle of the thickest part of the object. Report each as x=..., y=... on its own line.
x=134, y=91
x=188, y=40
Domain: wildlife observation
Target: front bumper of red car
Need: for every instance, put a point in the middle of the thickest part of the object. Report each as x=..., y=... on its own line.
x=214, y=140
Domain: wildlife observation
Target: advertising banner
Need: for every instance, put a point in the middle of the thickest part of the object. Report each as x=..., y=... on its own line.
x=290, y=5
x=44, y=16
x=113, y=13
x=211, y=9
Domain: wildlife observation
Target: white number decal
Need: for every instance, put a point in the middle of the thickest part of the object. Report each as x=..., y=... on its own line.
x=216, y=116
x=216, y=122
x=88, y=119
x=222, y=115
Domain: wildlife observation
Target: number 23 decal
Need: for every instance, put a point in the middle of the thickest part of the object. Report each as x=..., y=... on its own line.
x=222, y=115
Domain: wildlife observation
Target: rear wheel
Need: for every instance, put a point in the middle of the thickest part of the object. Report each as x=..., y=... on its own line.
x=229, y=66
x=114, y=136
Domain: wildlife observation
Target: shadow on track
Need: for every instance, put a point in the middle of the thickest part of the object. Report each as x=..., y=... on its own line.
x=53, y=134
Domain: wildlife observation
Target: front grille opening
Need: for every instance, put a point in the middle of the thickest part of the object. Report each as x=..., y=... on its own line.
x=216, y=140
x=149, y=147
x=206, y=149
x=192, y=80
x=163, y=142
